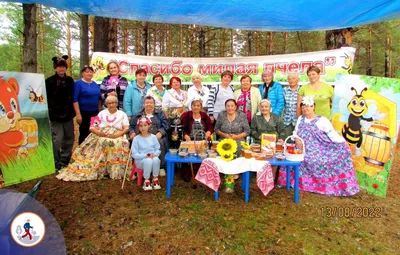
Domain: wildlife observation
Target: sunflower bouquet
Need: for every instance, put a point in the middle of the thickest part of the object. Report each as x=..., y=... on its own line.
x=227, y=150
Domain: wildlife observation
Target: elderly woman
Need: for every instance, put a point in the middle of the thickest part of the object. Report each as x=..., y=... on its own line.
x=159, y=126
x=247, y=98
x=113, y=84
x=321, y=92
x=175, y=99
x=232, y=124
x=105, y=151
x=196, y=120
x=135, y=94
x=266, y=122
x=290, y=92
x=219, y=94
x=272, y=91
x=86, y=101
x=327, y=167
x=157, y=91
x=197, y=90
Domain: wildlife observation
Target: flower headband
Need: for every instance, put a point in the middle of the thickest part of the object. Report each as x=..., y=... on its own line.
x=143, y=119
x=308, y=100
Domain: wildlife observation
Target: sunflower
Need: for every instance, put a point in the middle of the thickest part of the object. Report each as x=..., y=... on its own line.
x=226, y=146
x=227, y=156
x=229, y=179
x=245, y=146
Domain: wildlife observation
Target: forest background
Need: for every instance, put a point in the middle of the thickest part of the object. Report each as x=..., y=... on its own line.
x=49, y=32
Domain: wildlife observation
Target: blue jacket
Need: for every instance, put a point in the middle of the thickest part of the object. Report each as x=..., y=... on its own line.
x=132, y=99
x=276, y=96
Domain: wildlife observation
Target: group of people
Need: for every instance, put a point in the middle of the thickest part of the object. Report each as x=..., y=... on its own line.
x=108, y=112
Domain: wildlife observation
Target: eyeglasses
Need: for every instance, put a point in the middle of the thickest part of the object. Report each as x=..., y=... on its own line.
x=111, y=102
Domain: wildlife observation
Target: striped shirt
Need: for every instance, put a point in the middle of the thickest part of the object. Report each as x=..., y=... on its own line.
x=217, y=97
x=290, y=116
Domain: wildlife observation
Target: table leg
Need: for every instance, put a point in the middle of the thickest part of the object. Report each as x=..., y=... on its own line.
x=246, y=177
x=170, y=177
x=296, y=184
x=216, y=195
x=172, y=173
x=243, y=182
x=288, y=178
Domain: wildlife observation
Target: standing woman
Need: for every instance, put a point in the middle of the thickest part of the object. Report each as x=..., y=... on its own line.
x=175, y=99
x=135, y=94
x=157, y=91
x=86, y=101
x=322, y=93
x=272, y=91
x=197, y=90
x=247, y=97
x=219, y=94
x=113, y=84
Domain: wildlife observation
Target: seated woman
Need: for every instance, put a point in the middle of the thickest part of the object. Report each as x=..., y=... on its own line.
x=327, y=167
x=159, y=126
x=232, y=124
x=196, y=120
x=105, y=151
x=269, y=123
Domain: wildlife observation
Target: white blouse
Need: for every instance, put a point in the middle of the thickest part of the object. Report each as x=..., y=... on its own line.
x=117, y=120
x=193, y=92
x=171, y=99
x=153, y=92
x=323, y=124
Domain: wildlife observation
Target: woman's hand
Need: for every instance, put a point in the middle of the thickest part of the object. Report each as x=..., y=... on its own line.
x=212, y=119
x=298, y=143
x=132, y=135
x=79, y=119
x=208, y=135
x=158, y=135
x=187, y=138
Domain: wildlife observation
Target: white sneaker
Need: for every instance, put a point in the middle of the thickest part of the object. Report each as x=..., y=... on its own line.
x=156, y=184
x=229, y=190
x=147, y=186
x=162, y=172
x=236, y=176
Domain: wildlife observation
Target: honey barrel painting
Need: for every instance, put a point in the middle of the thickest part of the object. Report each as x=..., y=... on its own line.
x=377, y=145
x=29, y=125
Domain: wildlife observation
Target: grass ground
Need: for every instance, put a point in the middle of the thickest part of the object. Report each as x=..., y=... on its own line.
x=100, y=218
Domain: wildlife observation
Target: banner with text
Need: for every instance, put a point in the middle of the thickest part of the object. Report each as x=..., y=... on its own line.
x=331, y=63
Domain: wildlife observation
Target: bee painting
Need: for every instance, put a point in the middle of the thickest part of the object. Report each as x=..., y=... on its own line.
x=36, y=96
x=348, y=63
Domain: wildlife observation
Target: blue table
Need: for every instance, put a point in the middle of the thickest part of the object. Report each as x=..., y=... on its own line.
x=170, y=161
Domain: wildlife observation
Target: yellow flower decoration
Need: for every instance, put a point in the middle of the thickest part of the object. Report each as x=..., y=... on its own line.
x=226, y=146
x=230, y=179
x=245, y=146
x=227, y=156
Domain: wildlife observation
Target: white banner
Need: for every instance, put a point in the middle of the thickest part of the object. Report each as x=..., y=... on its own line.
x=330, y=62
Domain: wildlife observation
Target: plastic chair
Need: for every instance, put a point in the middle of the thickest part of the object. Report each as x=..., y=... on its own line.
x=139, y=174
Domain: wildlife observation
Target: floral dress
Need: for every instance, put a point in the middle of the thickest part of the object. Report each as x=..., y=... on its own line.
x=327, y=167
x=98, y=156
x=244, y=104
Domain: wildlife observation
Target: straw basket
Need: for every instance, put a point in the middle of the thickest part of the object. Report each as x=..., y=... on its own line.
x=293, y=157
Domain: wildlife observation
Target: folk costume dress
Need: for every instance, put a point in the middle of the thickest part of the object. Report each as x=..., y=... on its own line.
x=98, y=156
x=173, y=103
x=327, y=167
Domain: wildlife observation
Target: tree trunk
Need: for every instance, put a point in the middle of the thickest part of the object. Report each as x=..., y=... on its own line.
x=40, y=39
x=101, y=30
x=232, y=50
x=335, y=39
x=84, y=34
x=249, y=40
x=113, y=35
x=30, y=37
x=145, y=38
x=285, y=40
x=387, y=57
x=202, y=42
x=270, y=42
x=369, y=54
x=69, y=60
x=91, y=29
x=180, y=40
